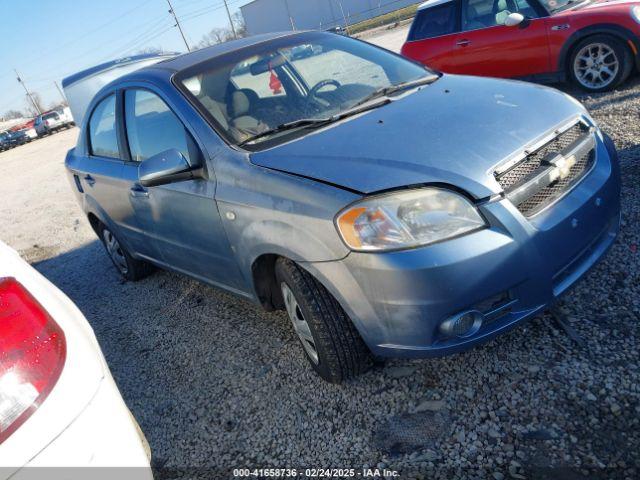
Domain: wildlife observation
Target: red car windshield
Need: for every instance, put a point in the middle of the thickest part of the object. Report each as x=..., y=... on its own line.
x=554, y=5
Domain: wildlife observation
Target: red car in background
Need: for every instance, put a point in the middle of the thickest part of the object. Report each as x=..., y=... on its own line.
x=593, y=43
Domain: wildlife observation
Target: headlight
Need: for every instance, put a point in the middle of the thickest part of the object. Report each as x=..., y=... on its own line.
x=407, y=219
x=635, y=13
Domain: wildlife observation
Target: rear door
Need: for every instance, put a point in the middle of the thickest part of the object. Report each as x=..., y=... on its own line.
x=183, y=216
x=99, y=175
x=485, y=46
x=432, y=36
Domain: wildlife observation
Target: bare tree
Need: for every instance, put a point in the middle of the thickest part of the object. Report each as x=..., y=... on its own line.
x=215, y=36
x=12, y=114
x=150, y=49
x=239, y=24
x=37, y=100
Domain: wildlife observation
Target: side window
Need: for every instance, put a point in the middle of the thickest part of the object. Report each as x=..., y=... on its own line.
x=152, y=127
x=478, y=14
x=434, y=22
x=102, y=129
x=525, y=8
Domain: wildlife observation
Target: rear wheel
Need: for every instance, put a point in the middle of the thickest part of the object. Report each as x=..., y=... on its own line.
x=130, y=268
x=600, y=63
x=329, y=339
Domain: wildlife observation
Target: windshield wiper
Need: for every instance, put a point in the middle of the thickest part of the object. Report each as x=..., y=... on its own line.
x=391, y=89
x=315, y=122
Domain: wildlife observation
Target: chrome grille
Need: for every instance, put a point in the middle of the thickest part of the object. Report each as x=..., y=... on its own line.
x=521, y=182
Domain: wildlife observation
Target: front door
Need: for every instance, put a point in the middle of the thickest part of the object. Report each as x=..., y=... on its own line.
x=182, y=217
x=487, y=47
x=432, y=36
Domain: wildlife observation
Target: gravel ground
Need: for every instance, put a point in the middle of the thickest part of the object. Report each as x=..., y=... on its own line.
x=217, y=383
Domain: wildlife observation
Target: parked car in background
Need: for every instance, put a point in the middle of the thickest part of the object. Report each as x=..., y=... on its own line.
x=49, y=122
x=66, y=117
x=390, y=210
x=340, y=30
x=19, y=137
x=30, y=132
x=595, y=44
x=5, y=141
x=302, y=51
x=59, y=404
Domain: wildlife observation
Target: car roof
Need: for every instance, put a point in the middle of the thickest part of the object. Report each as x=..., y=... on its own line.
x=432, y=3
x=187, y=60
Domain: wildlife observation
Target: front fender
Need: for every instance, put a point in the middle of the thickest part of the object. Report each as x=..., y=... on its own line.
x=269, y=212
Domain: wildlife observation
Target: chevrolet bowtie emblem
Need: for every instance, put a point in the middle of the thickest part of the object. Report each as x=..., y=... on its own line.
x=562, y=168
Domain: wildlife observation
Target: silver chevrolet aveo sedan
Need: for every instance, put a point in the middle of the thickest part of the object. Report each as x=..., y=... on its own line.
x=389, y=209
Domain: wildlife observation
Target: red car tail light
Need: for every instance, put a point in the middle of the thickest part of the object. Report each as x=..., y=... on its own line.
x=32, y=355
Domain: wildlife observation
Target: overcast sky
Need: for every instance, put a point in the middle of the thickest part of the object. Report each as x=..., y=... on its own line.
x=46, y=40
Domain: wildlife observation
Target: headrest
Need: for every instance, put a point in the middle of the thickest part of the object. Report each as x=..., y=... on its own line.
x=239, y=104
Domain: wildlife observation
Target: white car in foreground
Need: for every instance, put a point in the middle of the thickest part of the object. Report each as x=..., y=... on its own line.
x=59, y=405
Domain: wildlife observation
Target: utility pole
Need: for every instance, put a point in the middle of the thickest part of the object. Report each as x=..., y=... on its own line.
x=346, y=25
x=293, y=25
x=64, y=99
x=233, y=27
x=172, y=12
x=35, y=105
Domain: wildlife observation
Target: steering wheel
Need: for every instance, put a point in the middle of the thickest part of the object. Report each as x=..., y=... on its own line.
x=313, y=93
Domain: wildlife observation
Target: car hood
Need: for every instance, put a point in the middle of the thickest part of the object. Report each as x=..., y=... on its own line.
x=454, y=131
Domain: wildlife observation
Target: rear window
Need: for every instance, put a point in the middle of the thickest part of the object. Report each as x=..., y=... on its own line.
x=49, y=116
x=434, y=22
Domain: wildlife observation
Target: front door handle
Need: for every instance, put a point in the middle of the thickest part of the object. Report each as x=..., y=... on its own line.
x=463, y=43
x=90, y=180
x=139, y=191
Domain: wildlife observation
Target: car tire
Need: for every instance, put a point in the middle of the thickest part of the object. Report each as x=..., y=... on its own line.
x=603, y=51
x=330, y=341
x=130, y=268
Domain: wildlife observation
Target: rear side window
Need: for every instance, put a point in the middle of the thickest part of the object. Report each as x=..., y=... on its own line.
x=102, y=129
x=434, y=22
x=153, y=128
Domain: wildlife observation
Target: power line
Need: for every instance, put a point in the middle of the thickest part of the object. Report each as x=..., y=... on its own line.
x=175, y=17
x=89, y=32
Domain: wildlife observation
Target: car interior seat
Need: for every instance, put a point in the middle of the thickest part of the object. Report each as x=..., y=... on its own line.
x=239, y=109
x=472, y=18
x=213, y=88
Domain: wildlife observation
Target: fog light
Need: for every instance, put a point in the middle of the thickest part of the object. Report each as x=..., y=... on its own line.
x=463, y=324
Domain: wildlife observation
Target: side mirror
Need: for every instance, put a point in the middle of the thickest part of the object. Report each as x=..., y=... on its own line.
x=513, y=19
x=165, y=167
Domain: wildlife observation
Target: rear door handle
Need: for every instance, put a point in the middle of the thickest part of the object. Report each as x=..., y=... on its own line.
x=139, y=191
x=90, y=180
x=463, y=43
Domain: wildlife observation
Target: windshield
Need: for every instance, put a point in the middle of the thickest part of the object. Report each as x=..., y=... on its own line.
x=299, y=79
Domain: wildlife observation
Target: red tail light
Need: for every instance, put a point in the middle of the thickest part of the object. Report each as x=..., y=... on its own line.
x=32, y=354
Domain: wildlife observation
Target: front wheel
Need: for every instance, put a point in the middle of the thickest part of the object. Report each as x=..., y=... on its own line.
x=329, y=339
x=600, y=63
x=130, y=268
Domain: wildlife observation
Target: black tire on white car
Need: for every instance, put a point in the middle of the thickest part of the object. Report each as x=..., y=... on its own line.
x=329, y=339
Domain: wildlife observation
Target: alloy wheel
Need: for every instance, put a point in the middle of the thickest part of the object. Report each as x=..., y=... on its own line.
x=596, y=65
x=300, y=325
x=115, y=251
